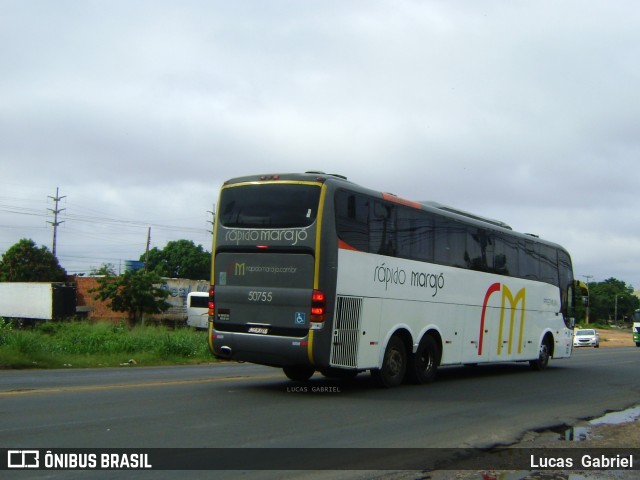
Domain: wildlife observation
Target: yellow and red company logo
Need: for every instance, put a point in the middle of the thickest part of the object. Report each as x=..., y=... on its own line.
x=507, y=296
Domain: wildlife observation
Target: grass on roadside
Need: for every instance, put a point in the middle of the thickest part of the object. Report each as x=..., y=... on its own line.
x=85, y=344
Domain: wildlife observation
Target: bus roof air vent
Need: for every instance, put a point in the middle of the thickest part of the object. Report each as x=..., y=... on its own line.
x=446, y=208
x=319, y=172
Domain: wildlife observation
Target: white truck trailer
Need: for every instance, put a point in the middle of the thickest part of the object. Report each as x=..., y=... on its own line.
x=37, y=300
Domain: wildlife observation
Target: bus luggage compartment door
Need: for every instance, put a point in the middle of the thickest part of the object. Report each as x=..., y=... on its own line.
x=263, y=311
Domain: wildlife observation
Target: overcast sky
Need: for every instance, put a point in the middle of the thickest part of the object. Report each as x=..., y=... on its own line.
x=138, y=110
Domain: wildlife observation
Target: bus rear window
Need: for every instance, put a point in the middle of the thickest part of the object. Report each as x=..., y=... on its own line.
x=269, y=206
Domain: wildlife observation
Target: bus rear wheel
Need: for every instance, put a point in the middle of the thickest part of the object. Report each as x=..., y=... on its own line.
x=298, y=374
x=425, y=361
x=394, y=364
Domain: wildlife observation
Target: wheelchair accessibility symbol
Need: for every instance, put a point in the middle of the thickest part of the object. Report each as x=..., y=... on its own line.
x=300, y=318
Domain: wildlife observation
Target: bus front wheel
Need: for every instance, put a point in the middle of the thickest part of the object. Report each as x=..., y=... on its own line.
x=298, y=374
x=543, y=357
x=394, y=364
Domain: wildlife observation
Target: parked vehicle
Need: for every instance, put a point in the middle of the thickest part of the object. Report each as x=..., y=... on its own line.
x=586, y=337
x=636, y=333
x=198, y=310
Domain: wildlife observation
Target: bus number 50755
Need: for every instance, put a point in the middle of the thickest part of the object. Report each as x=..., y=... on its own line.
x=256, y=296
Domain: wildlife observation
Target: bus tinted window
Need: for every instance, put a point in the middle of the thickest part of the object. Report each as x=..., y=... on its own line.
x=375, y=226
x=415, y=234
x=565, y=277
x=548, y=264
x=479, y=249
x=269, y=206
x=528, y=267
x=450, y=245
x=352, y=217
x=505, y=261
x=382, y=229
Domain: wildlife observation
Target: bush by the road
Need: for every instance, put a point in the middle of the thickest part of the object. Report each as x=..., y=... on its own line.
x=84, y=344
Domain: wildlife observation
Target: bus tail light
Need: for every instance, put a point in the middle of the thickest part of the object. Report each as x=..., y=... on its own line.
x=318, y=306
x=212, y=301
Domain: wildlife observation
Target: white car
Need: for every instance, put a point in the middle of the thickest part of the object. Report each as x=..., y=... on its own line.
x=586, y=337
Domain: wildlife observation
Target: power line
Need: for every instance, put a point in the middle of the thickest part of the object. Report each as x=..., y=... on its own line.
x=100, y=220
x=80, y=223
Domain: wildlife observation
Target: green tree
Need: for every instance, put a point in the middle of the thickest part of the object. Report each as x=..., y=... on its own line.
x=107, y=269
x=25, y=262
x=604, y=296
x=135, y=293
x=180, y=259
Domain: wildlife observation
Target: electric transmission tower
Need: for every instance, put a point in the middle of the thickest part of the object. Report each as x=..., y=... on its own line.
x=55, y=222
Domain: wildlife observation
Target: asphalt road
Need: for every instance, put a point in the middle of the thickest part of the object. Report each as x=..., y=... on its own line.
x=248, y=406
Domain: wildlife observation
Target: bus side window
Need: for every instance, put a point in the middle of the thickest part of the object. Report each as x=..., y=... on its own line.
x=479, y=251
x=505, y=256
x=415, y=234
x=352, y=219
x=548, y=259
x=382, y=229
x=451, y=243
x=527, y=265
x=567, y=291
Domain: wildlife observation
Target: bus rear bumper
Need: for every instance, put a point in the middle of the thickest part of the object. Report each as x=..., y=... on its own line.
x=273, y=351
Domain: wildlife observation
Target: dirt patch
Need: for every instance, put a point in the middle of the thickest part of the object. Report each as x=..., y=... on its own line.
x=616, y=338
x=623, y=436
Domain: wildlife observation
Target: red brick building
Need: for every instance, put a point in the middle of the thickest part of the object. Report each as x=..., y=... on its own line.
x=88, y=306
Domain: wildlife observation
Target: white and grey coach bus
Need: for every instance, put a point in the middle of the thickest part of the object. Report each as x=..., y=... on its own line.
x=311, y=273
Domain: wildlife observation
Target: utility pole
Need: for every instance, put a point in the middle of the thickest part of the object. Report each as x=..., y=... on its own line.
x=146, y=252
x=55, y=222
x=588, y=277
x=146, y=262
x=213, y=218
